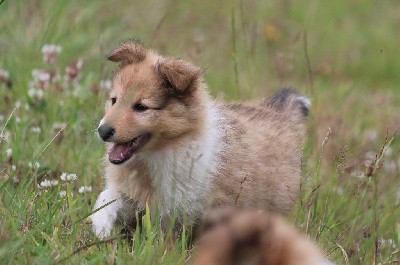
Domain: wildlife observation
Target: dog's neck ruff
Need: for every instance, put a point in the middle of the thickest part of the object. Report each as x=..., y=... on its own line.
x=182, y=176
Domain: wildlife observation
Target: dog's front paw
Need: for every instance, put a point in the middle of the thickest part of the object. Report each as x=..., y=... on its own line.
x=103, y=220
x=102, y=224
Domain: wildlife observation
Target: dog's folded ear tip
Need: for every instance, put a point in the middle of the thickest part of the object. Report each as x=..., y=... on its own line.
x=128, y=52
x=179, y=73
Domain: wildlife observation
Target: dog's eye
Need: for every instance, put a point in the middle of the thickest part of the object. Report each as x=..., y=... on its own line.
x=139, y=107
x=113, y=100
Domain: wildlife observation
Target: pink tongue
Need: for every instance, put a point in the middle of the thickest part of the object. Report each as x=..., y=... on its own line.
x=119, y=151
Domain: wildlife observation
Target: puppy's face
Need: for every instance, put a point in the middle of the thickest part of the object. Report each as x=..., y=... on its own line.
x=153, y=103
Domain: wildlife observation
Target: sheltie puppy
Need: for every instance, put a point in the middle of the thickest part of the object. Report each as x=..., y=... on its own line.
x=174, y=148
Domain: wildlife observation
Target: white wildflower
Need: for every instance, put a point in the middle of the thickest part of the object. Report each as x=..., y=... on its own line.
x=386, y=243
x=35, y=93
x=5, y=136
x=59, y=126
x=39, y=94
x=41, y=75
x=62, y=193
x=106, y=84
x=71, y=177
x=370, y=155
x=36, y=129
x=18, y=119
x=18, y=104
x=9, y=153
x=84, y=189
x=5, y=78
x=34, y=165
x=358, y=174
x=49, y=48
x=68, y=177
x=48, y=183
x=369, y=159
x=13, y=167
x=4, y=74
x=1, y=117
x=50, y=52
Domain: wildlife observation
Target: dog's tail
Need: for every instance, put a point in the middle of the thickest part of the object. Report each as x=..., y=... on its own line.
x=288, y=100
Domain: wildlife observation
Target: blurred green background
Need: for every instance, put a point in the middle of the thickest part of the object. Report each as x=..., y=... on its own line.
x=342, y=54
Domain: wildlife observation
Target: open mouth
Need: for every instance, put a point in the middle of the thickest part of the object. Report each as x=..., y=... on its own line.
x=121, y=152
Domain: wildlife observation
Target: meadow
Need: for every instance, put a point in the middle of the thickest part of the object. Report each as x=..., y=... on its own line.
x=53, y=84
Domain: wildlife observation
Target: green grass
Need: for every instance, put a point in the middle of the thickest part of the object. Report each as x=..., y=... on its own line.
x=353, y=51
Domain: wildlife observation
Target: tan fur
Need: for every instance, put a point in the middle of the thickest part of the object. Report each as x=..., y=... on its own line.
x=258, y=148
x=244, y=237
x=263, y=159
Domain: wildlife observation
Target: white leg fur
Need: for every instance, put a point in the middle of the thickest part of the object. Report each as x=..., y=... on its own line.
x=104, y=219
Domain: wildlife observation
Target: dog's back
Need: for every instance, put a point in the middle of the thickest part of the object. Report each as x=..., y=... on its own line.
x=261, y=164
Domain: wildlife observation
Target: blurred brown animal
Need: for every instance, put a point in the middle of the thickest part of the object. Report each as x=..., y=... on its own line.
x=172, y=146
x=246, y=237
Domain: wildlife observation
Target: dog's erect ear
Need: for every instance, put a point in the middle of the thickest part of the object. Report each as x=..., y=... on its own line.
x=128, y=52
x=180, y=75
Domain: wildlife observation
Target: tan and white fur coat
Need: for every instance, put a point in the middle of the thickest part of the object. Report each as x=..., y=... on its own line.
x=172, y=146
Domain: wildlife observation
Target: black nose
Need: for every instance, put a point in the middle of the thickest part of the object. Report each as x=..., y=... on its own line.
x=105, y=132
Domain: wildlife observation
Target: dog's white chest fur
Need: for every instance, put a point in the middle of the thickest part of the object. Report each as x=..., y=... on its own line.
x=182, y=176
